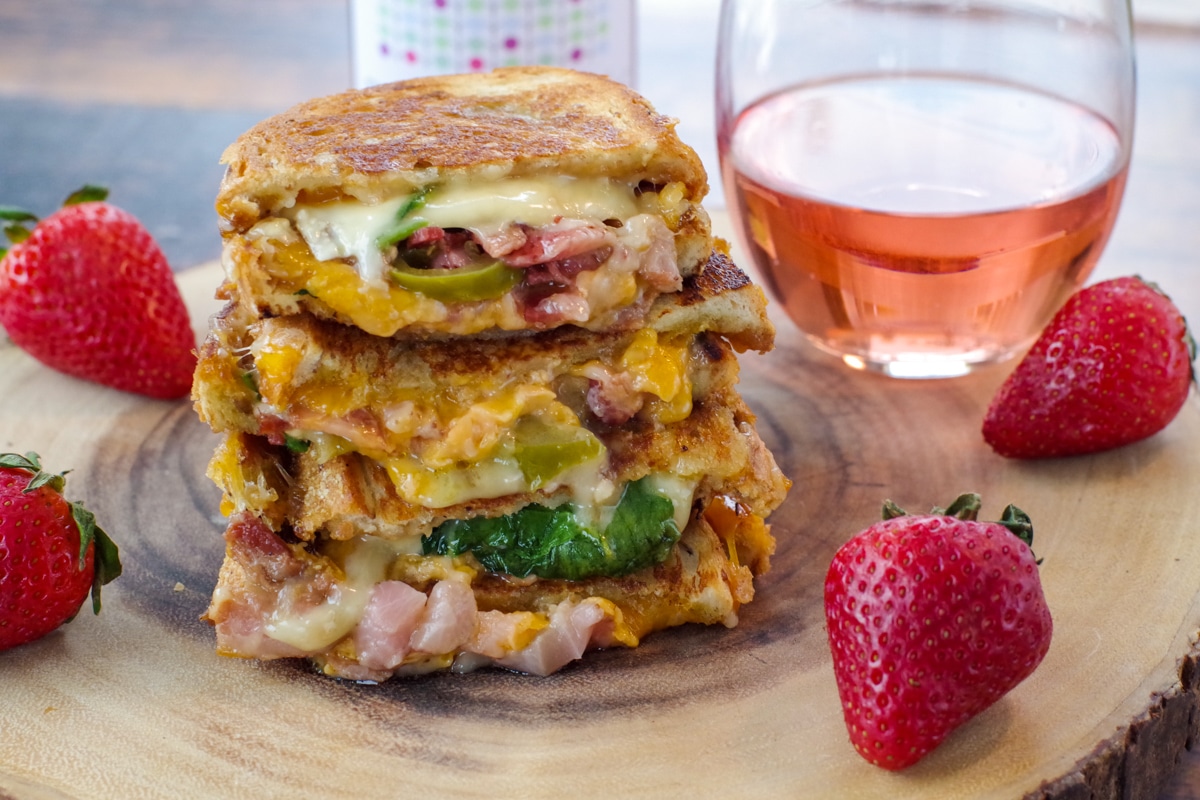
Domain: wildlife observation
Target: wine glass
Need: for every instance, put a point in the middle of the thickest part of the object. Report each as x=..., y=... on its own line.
x=922, y=183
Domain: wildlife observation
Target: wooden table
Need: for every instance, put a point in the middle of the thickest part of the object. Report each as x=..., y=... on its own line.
x=142, y=96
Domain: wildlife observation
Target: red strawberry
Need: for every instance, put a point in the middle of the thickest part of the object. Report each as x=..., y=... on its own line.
x=51, y=553
x=931, y=619
x=1113, y=366
x=89, y=293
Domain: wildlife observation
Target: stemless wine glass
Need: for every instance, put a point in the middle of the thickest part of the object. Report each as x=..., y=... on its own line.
x=922, y=183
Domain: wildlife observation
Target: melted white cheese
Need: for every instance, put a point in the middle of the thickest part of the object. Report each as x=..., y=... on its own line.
x=350, y=229
x=316, y=628
x=680, y=491
x=533, y=201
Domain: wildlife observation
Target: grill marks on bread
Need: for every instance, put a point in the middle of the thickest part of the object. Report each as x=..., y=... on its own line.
x=391, y=139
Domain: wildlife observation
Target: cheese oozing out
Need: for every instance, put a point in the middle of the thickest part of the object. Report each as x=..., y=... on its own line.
x=463, y=444
x=317, y=627
x=351, y=229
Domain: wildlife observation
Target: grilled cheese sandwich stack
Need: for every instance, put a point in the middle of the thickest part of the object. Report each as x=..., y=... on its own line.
x=476, y=380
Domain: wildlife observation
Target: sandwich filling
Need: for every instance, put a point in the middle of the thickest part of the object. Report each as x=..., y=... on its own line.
x=526, y=427
x=516, y=254
x=369, y=608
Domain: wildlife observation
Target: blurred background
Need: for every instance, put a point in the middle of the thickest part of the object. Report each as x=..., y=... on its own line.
x=143, y=96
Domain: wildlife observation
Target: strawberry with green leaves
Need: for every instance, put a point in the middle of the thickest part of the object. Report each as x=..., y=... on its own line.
x=88, y=292
x=1114, y=366
x=931, y=619
x=52, y=553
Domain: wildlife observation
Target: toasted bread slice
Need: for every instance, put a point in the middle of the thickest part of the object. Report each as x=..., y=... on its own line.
x=719, y=300
x=393, y=139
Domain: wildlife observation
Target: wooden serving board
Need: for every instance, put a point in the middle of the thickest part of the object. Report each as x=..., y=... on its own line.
x=135, y=703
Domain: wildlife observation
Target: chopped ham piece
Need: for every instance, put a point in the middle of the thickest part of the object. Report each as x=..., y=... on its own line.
x=659, y=268
x=447, y=248
x=381, y=639
x=448, y=619
x=241, y=632
x=273, y=427
x=259, y=549
x=567, y=637
x=497, y=632
x=557, y=307
x=562, y=271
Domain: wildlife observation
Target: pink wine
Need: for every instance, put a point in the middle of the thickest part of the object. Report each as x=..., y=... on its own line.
x=921, y=225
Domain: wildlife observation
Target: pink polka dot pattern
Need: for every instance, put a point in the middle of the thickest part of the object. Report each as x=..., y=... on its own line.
x=397, y=39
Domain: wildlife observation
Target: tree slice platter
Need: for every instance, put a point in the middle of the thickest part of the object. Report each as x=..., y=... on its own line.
x=135, y=703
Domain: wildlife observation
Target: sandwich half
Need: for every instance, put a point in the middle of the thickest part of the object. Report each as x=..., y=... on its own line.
x=517, y=200
x=565, y=490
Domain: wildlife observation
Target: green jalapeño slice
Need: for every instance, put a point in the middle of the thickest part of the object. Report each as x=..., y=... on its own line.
x=473, y=282
x=544, y=451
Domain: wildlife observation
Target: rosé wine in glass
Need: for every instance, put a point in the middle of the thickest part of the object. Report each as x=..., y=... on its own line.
x=920, y=223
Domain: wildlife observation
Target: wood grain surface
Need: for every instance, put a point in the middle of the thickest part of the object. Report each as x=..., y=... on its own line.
x=135, y=703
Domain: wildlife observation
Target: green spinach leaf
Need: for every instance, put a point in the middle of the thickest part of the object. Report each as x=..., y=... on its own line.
x=551, y=543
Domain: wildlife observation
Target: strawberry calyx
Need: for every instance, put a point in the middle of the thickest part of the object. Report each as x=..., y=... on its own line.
x=88, y=193
x=106, y=558
x=14, y=231
x=966, y=507
x=14, y=217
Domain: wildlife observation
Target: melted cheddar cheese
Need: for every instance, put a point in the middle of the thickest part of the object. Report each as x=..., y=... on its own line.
x=465, y=442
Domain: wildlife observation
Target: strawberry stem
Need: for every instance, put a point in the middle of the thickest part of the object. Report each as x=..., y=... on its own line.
x=107, y=560
x=14, y=231
x=15, y=234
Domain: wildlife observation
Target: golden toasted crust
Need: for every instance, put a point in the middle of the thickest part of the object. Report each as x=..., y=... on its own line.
x=391, y=139
x=720, y=298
